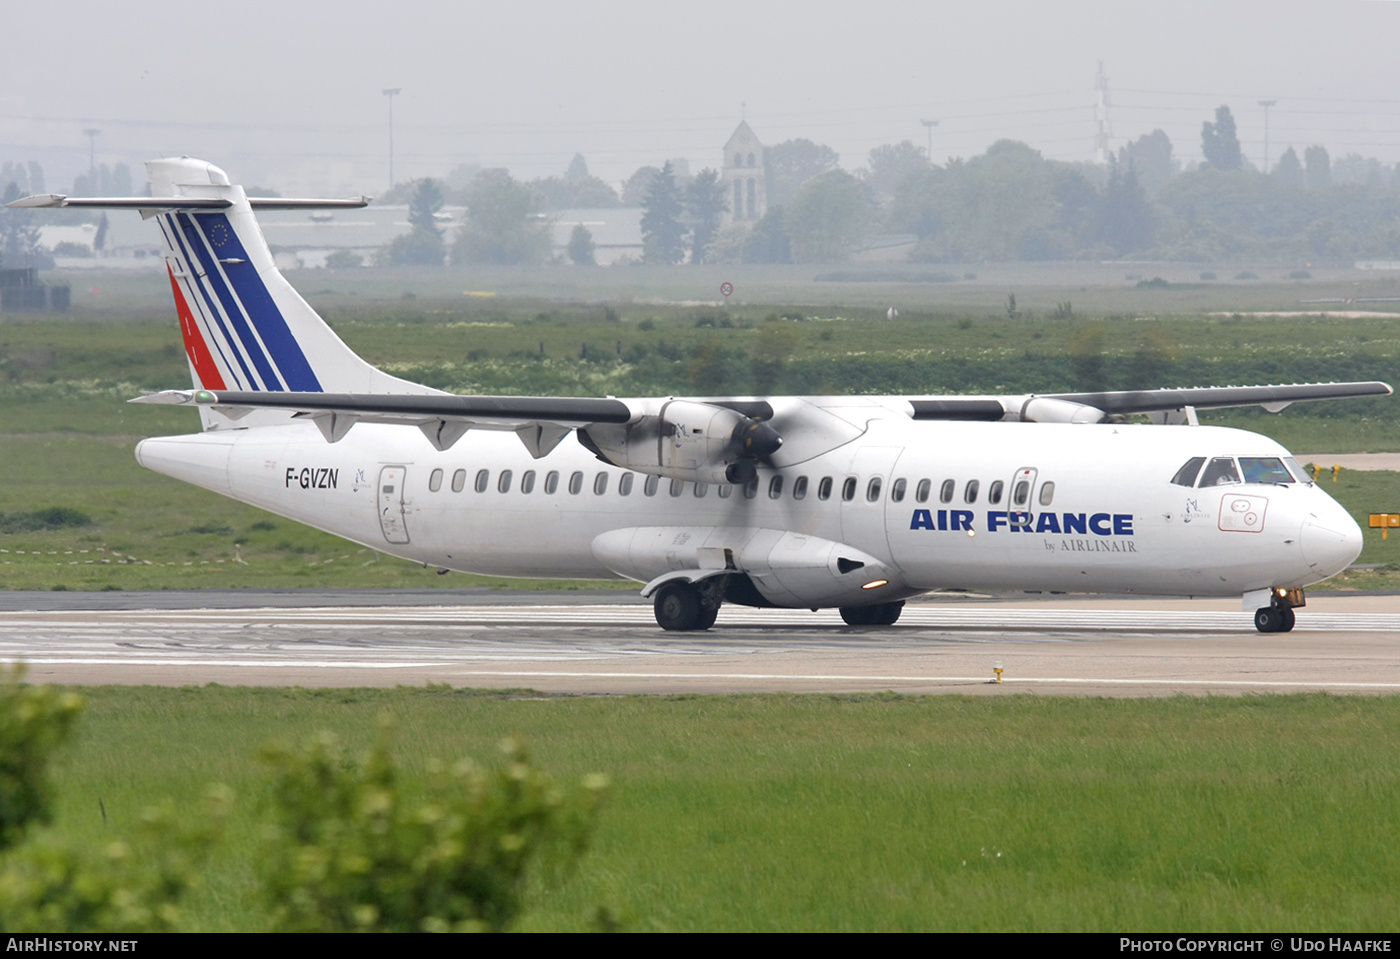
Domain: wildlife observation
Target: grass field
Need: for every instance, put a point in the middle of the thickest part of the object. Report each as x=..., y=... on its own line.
x=845, y=813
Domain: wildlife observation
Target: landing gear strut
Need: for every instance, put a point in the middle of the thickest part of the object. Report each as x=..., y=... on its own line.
x=881, y=614
x=684, y=607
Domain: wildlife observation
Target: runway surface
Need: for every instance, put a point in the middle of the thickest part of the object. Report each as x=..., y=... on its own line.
x=1055, y=645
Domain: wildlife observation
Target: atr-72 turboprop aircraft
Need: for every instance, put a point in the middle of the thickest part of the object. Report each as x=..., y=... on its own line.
x=854, y=502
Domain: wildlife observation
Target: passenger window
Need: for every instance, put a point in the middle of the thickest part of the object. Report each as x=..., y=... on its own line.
x=1021, y=493
x=576, y=482
x=701, y=489
x=994, y=493
x=1220, y=472
x=775, y=487
x=435, y=481
x=897, y=490
x=677, y=487
x=1047, y=493
x=600, y=484
x=872, y=489
x=725, y=491
x=1186, y=476
x=650, y=486
x=848, y=489
x=1264, y=469
x=624, y=485
x=824, y=488
x=459, y=481
x=551, y=482
x=527, y=481
x=799, y=488
x=945, y=492
x=751, y=488
x=503, y=484
x=483, y=480
x=922, y=490
x=970, y=493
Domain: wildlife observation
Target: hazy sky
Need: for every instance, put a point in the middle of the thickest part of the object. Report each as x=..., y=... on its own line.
x=289, y=93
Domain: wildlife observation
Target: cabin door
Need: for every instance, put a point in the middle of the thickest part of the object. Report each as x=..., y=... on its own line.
x=391, y=512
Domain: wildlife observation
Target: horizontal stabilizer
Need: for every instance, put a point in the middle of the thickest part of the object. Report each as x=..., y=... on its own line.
x=124, y=202
x=183, y=202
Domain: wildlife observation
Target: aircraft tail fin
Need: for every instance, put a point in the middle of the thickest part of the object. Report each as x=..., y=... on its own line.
x=244, y=326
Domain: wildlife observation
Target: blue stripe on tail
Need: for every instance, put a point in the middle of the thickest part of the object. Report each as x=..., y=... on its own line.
x=257, y=302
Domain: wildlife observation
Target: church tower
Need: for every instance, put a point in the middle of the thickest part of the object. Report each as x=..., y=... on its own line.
x=745, y=182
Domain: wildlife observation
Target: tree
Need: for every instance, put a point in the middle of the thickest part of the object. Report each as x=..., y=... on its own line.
x=581, y=246
x=1288, y=172
x=1125, y=217
x=663, y=234
x=1219, y=144
x=1318, y=167
x=422, y=245
x=792, y=163
x=768, y=241
x=828, y=218
x=584, y=193
x=19, y=234
x=636, y=186
x=503, y=225
x=1151, y=156
x=891, y=165
x=578, y=169
x=706, y=204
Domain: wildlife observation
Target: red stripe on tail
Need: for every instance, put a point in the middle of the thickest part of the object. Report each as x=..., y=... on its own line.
x=195, y=348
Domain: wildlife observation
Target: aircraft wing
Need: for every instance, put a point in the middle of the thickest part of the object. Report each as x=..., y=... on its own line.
x=542, y=422
x=1272, y=398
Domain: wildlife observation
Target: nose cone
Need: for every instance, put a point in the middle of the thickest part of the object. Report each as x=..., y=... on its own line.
x=1331, y=540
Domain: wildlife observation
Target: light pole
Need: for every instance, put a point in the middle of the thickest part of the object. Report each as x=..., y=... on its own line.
x=1266, y=104
x=91, y=134
x=391, y=93
x=929, y=125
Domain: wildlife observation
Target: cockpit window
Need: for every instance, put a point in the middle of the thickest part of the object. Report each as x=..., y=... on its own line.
x=1296, y=468
x=1220, y=472
x=1264, y=469
x=1186, y=476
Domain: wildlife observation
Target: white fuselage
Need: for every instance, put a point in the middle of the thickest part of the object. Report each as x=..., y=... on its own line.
x=1113, y=520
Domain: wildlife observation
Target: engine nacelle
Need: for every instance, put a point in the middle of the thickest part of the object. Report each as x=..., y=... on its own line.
x=686, y=440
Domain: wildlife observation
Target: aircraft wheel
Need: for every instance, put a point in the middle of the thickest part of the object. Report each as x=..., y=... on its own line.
x=881, y=614
x=707, y=616
x=678, y=608
x=856, y=615
x=889, y=613
x=1269, y=619
x=1288, y=619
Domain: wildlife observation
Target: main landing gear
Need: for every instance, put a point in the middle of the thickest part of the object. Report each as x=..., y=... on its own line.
x=881, y=614
x=683, y=607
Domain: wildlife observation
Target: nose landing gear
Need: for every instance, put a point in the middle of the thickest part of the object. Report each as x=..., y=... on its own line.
x=1278, y=617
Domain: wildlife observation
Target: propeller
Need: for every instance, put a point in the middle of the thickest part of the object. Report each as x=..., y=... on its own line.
x=751, y=443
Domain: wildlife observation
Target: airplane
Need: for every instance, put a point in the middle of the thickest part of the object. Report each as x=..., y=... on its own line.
x=852, y=502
